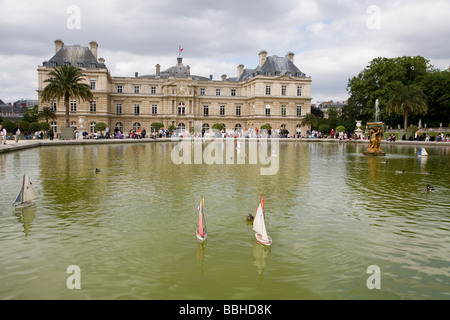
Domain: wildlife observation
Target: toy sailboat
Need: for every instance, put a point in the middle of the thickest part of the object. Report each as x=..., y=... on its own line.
x=259, y=225
x=201, y=231
x=422, y=152
x=26, y=194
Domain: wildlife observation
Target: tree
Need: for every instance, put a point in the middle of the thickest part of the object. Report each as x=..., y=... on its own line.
x=156, y=126
x=377, y=81
x=407, y=99
x=310, y=120
x=31, y=115
x=66, y=82
x=100, y=126
x=46, y=113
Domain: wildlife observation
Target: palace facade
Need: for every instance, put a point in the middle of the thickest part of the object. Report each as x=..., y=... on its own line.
x=276, y=92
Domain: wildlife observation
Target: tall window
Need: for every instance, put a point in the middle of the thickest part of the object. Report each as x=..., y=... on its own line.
x=119, y=108
x=238, y=111
x=233, y=92
x=54, y=126
x=217, y=92
x=153, y=90
x=283, y=90
x=137, y=109
x=92, y=126
x=154, y=109
x=92, y=84
x=53, y=104
x=93, y=106
x=268, y=110
x=267, y=90
x=136, y=89
x=299, y=91
x=202, y=91
x=181, y=108
x=222, y=111
x=73, y=106
x=119, y=89
x=206, y=110
x=299, y=111
x=283, y=110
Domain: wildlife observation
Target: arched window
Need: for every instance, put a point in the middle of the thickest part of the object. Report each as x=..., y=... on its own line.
x=238, y=127
x=181, y=127
x=299, y=128
x=205, y=127
x=136, y=126
x=119, y=126
x=73, y=124
x=54, y=126
x=92, y=126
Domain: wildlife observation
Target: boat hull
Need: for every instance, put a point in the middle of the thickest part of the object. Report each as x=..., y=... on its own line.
x=199, y=237
x=23, y=205
x=262, y=241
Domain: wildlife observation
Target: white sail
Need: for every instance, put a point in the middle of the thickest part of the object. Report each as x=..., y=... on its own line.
x=28, y=193
x=259, y=225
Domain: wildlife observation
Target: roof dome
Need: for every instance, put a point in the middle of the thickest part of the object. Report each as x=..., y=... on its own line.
x=178, y=71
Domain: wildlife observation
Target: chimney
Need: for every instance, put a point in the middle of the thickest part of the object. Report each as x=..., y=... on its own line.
x=58, y=45
x=158, y=70
x=101, y=60
x=94, y=47
x=262, y=58
x=290, y=55
x=224, y=77
x=188, y=70
x=136, y=74
x=240, y=70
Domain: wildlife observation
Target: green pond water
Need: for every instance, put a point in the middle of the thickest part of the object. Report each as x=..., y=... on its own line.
x=331, y=212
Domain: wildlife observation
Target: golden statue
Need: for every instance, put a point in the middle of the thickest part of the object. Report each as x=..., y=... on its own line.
x=376, y=134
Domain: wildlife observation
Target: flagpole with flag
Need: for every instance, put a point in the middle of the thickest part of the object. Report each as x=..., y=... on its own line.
x=180, y=50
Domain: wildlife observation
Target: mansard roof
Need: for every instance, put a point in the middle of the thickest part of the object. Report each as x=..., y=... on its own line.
x=273, y=66
x=75, y=55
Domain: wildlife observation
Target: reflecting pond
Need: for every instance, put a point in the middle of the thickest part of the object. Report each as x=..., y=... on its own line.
x=130, y=228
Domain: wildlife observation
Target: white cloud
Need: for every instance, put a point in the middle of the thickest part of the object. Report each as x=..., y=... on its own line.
x=331, y=39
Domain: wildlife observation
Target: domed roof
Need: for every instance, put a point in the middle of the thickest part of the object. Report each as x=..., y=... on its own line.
x=178, y=71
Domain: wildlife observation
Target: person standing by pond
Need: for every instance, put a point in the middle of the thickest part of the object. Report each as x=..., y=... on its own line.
x=2, y=135
x=16, y=133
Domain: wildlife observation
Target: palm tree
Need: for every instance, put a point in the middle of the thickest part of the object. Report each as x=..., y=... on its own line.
x=66, y=82
x=407, y=99
x=310, y=120
x=47, y=114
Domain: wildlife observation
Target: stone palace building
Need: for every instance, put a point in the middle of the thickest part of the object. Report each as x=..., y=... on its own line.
x=276, y=92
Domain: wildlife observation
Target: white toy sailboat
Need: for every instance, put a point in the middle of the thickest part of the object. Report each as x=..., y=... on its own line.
x=201, y=231
x=26, y=194
x=422, y=152
x=259, y=225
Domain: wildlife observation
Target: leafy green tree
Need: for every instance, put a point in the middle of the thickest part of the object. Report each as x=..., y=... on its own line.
x=31, y=115
x=34, y=126
x=100, y=126
x=266, y=126
x=217, y=126
x=46, y=113
x=377, y=81
x=407, y=99
x=156, y=126
x=66, y=83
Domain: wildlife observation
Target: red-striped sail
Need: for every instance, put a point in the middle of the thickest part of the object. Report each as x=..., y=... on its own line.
x=201, y=231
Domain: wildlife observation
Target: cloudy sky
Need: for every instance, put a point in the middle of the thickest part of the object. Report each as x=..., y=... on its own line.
x=332, y=40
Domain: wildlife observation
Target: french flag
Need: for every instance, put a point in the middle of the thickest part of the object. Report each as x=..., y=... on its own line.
x=180, y=49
